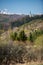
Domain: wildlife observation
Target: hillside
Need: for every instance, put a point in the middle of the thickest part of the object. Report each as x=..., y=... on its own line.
x=32, y=25
x=23, y=43
x=28, y=27
x=7, y=21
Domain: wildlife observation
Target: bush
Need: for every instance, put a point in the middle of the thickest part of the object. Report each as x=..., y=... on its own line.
x=19, y=53
x=31, y=37
x=12, y=52
x=13, y=36
x=22, y=36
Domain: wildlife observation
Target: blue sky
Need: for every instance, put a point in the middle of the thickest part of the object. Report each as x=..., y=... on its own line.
x=22, y=6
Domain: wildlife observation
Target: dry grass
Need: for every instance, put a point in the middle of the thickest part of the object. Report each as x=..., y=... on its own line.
x=31, y=63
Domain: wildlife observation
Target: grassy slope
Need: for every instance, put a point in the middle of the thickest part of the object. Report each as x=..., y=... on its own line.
x=34, y=24
x=39, y=41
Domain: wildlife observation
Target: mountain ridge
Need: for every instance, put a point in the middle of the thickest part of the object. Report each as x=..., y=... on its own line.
x=16, y=20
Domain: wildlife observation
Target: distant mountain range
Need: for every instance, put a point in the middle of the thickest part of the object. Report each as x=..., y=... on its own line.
x=15, y=20
x=5, y=19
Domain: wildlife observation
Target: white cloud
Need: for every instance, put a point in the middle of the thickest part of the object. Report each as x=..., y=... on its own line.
x=4, y=11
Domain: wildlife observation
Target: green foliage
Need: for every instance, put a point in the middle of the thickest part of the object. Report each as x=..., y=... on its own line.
x=34, y=34
x=13, y=36
x=31, y=37
x=22, y=36
x=39, y=41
